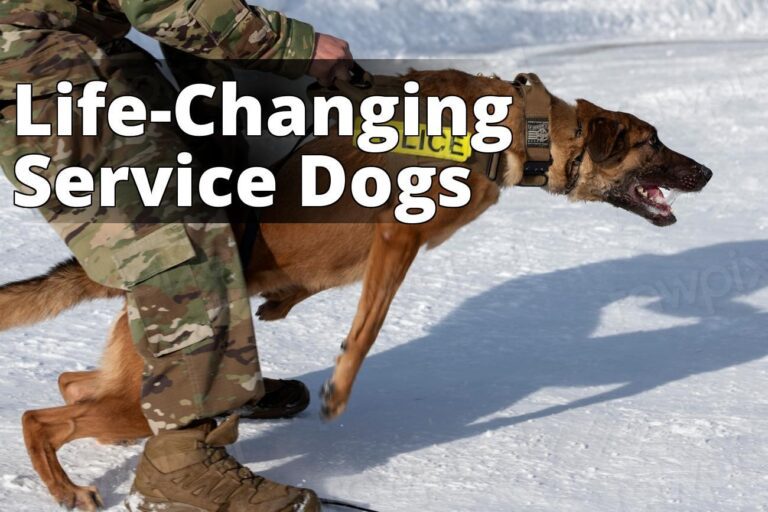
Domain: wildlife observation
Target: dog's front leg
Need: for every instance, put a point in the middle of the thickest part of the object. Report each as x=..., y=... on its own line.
x=393, y=250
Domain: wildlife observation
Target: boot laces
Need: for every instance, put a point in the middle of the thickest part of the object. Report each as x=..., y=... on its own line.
x=228, y=465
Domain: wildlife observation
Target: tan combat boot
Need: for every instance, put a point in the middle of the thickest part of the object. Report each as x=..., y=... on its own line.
x=190, y=471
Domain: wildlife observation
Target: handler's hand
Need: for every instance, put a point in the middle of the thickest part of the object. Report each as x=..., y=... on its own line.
x=332, y=60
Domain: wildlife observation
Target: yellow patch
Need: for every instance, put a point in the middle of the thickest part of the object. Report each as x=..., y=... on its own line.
x=442, y=147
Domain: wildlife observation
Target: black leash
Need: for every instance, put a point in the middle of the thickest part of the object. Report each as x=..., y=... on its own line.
x=251, y=234
x=337, y=503
x=360, y=79
x=252, y=219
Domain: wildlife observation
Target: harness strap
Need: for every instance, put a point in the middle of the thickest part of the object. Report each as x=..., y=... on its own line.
x=537, y=104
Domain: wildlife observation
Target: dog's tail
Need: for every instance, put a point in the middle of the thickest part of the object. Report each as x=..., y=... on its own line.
x=34, y=300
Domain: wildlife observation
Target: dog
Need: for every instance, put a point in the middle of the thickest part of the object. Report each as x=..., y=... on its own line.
x=621, y=162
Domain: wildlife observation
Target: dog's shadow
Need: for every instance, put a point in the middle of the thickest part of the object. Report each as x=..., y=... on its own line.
x=527, y=334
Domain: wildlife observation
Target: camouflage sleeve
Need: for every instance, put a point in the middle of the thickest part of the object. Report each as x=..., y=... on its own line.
x=228, y=30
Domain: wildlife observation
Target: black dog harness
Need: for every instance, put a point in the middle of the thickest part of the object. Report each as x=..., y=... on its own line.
x=536, y=105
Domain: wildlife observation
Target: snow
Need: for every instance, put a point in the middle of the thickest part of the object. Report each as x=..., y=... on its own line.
x=389, y=28
x=551, y=356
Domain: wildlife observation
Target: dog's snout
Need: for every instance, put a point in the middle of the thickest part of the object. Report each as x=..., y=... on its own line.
x=693, y=177
x=706, y=173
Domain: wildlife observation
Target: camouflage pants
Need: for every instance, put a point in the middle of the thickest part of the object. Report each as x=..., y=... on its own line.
x=187, y=302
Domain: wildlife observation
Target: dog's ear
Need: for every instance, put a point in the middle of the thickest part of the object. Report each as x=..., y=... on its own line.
x=606, y=140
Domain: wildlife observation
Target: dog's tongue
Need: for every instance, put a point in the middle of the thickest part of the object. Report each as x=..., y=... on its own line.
x=656, y=197
x=655, y=194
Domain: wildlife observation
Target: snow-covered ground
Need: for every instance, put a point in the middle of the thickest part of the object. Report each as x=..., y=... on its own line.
x=550, y=357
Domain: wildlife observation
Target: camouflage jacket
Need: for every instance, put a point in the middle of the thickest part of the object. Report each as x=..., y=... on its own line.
x=46, y=41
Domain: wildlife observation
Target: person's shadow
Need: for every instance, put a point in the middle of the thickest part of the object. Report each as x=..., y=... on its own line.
x=527, y=334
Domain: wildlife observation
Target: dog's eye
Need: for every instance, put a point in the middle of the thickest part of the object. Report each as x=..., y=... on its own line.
x=654, y=141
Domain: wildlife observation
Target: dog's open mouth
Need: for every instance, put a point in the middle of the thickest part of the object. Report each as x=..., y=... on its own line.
x=652, y=201
x=656, y=202
x=651, y=194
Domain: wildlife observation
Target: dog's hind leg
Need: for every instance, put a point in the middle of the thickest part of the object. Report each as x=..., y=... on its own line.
x=78, y=386
x=392, y=252
x=46, y=430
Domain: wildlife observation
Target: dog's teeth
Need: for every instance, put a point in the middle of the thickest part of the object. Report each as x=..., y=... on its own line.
x=642, y=192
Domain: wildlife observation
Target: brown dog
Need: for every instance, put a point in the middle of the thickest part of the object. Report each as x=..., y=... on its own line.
x=622, y=163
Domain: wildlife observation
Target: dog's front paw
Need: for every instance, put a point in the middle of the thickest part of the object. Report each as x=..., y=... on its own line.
x=85, y=498
x=332, y=402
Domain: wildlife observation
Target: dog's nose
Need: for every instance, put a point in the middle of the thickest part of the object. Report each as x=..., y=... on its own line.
x=706, y=173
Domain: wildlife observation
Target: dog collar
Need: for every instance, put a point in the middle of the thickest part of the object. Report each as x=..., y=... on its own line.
x=537, y=104
x=537, y=107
